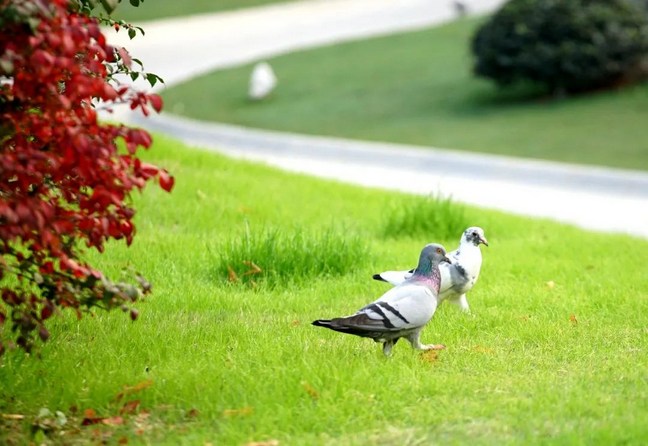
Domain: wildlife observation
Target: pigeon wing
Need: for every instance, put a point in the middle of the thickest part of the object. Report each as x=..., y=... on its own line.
x=406, y=306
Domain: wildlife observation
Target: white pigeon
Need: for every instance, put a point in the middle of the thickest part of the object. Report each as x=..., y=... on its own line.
x=262, y=81
x=401, y=312
x=458, y=277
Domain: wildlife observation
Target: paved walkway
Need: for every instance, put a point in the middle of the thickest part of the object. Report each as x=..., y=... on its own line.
x=179, y=49
x=594, y=198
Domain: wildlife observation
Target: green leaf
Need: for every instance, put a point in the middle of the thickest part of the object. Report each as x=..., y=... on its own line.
x=151, y=78
x=131, y=33
x=109, y=5
x=135, y=3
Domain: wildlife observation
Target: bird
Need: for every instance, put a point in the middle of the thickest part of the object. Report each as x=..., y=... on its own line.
x=401, y=312
x=457, y=277
x=460, y=8
x=262, y=81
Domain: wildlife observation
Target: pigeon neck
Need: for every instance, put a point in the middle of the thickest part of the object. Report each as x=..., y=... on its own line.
x=468, y=246
x=428, y=273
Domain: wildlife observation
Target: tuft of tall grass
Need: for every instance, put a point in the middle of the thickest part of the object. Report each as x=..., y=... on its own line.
x=433, y=217
x=276, y=255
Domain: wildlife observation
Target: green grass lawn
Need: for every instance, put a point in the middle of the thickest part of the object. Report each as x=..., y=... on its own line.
x=211, y=361
x=417, y=88
x=159, y=9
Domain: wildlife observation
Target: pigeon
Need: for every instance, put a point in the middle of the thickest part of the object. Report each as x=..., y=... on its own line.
x=458, y=277
x=460, y=8
x=262, y=81
x=401, y=312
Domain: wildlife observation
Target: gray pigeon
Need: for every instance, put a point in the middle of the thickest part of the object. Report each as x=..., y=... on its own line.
x=401, y=312
x=458, y=277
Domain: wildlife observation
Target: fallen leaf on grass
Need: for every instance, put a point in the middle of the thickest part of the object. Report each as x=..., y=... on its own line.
x=113, y=421
x=263, y=443
x=123, y=440
x=551, y=284
x=193, y=413
x=12, y=416
x=231, y=275
x=254, y=268
x=310, y=390
x=482, y=349
x=238, y=412
x=128, y=390
x=430, y=356
x=90, y=417
x=129, y=407
x=572, y=319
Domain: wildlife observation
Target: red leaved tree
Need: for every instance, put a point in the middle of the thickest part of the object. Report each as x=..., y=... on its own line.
x=64, y=175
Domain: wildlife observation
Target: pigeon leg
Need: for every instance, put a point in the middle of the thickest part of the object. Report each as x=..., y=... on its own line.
x=415, y=340
x=387, y=346
x=461, y=302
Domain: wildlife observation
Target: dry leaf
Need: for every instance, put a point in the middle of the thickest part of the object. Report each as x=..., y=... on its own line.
x=113, y=421
x=123, y=440
x=129, y=407
x=238, y=412
x=231, y=275
x=295, y=322
x=193, y=413
x=430, y=356
x=572, y=319
x=134, y=389
x=263, y=443
x=12, y=416
x=482, y=349
x=254, y=268
x=310, y=390
x=88, y=421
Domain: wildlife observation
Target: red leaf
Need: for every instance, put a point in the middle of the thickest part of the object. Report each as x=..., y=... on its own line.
x=43, y=333
x=156, y=102
x=125, y=57
x=149, y=170
x=68, y=181
x=89, y=421
x=47, y=311
x=166, y=180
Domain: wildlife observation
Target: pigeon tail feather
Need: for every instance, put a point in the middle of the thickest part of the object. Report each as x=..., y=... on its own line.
x=378, y=277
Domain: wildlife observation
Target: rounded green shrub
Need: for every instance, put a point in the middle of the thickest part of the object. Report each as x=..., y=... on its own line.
x=566, y=45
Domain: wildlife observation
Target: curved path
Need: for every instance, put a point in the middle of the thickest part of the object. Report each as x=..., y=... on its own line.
x=590, y=197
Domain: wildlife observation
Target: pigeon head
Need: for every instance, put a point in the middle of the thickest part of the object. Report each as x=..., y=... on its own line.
x=475, y=235
x=431, y=256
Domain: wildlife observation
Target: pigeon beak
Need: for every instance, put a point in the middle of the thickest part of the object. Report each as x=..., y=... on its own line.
x=483, y=240
x=444, y=259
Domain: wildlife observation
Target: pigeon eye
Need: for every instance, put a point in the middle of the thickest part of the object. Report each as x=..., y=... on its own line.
x=438, y=250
